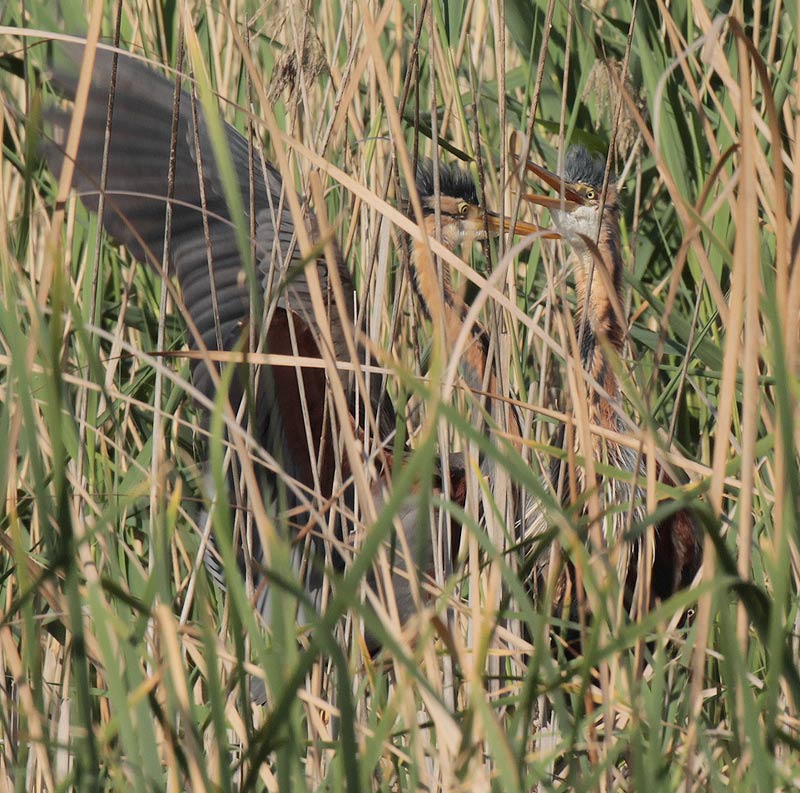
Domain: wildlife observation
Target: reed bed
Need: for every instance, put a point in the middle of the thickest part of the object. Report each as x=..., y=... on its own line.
x=123, y=667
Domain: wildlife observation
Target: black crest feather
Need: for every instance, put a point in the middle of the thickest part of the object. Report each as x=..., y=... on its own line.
x=580, y=166
x=453, y=181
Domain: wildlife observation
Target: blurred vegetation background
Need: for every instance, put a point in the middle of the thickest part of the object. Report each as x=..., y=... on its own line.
x=121, y=666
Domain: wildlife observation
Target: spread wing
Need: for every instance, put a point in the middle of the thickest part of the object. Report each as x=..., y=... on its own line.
x=204, y=254
x=289, y=405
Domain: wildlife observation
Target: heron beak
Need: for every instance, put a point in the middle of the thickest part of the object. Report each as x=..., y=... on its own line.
x=568, y=198
x=520, y=227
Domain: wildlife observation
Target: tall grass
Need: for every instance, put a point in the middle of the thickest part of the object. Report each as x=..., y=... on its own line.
x=123, y=667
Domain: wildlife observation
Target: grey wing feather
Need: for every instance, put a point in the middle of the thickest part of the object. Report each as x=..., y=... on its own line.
x=206, y=257
x=205, y=254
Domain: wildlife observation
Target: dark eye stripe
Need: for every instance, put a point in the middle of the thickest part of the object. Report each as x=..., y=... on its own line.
x=432, y=211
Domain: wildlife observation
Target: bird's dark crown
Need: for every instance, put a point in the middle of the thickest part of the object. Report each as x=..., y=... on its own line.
x=453, y=181
x=581, y=168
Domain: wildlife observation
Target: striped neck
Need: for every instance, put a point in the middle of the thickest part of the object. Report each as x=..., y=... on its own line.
x=598, y=283
x=428, y=288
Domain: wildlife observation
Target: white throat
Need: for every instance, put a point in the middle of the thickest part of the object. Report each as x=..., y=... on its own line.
x=581, y=222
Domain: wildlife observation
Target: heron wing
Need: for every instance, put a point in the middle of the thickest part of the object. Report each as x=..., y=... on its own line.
x=204, y=250
x=203, y=245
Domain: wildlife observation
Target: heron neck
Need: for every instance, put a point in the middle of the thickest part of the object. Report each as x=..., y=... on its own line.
x=473, y=356
x=430, y=287
x=598, y=281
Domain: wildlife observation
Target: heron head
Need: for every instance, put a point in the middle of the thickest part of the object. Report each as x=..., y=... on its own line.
x=463, y=218
x=578, y=209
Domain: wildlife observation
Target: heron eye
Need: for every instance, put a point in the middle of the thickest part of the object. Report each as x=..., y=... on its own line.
x=463, y=208
x=590, y=194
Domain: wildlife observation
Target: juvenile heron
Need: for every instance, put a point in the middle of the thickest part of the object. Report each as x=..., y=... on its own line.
x=589, y=222
x=286, y=408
